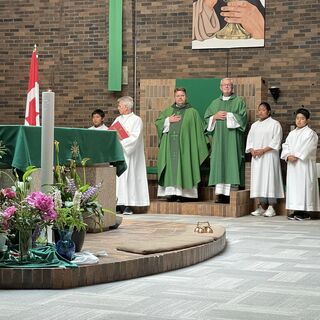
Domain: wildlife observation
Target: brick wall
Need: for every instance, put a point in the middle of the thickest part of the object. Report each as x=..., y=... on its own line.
x=289, y=60
x=72, y=37
x=72, y=40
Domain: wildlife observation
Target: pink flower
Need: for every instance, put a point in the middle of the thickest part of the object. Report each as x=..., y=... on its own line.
x=8, y=193
x=9, y=212
x=5, y=225
x=40, y=201
x=49, y=215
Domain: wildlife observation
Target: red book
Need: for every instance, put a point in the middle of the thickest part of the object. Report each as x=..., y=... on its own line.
x=122, y=133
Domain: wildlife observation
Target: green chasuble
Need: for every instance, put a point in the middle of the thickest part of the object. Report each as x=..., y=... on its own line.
x=228, y=145
x=182, y=149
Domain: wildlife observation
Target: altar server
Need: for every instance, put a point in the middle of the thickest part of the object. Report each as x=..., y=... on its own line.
x=132, y=185
x=97, y=120
x=300, y=150
x=264, y=142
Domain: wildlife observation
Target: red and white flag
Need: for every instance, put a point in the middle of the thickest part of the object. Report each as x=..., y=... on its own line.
x=32, y=107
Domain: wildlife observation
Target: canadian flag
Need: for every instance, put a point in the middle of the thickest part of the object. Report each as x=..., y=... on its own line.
x=32, y=107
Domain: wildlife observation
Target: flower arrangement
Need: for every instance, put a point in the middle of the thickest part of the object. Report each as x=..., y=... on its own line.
x=25, y=214
x=22, y=211
x=75, y=199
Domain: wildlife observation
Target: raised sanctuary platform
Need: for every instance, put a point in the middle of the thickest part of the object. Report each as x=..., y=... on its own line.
x=135, y=249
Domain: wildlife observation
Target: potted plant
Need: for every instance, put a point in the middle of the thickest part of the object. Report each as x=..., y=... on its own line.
x=69, y=222
x=23, y=213
x=70, y=184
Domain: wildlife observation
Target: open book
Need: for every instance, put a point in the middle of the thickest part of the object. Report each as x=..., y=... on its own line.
x=122, y=133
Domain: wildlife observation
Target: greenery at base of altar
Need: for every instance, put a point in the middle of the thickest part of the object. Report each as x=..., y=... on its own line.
x=75, y=199
x=23, y=214
x=21, y=210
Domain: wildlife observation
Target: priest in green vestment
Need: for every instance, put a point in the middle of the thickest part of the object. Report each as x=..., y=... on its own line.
x=182, y=149
x=226, y=121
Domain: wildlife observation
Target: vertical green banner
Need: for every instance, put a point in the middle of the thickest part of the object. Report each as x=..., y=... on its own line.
x=115, y=45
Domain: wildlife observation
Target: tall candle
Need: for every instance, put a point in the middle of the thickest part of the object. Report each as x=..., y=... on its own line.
x=47, y=137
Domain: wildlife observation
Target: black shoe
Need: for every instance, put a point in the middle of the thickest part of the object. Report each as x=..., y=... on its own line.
x=120, y=209
x=291, y=216
x=127, y=211
x=186, y=199
x=301, y=216
x=172, y=198
x=221, y=198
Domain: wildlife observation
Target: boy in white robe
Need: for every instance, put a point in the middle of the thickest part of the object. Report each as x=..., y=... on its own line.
x=300, y=150
x=132, y=185
x=264, y=142
x=97, y=120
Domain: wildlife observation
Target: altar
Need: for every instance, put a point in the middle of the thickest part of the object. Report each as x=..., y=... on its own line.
x=101, y=147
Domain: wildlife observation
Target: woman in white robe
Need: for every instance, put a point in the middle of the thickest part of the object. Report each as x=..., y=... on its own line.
x=132, y=185
x=263, y=142
x=300, y=151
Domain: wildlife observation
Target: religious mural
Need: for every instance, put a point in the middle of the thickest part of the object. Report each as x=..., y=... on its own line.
x=228, y=23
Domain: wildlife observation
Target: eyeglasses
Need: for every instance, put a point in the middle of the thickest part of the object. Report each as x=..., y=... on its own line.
x=227, y=85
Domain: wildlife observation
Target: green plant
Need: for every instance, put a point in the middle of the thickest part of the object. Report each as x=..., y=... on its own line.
x=71, y=187
x=22, y=211
x=70, y=218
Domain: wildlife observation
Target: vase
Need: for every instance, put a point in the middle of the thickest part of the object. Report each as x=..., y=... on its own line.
x=25, y=245
x=77, y=237
x=65, y=246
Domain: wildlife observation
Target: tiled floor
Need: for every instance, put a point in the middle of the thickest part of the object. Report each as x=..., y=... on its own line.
x=269, y=270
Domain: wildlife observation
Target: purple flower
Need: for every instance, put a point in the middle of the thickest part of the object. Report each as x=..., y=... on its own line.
x=89, y=194
x=8, y=193
x=72, y=186
x=49, y=215
x=9, y=212
x=40, y=201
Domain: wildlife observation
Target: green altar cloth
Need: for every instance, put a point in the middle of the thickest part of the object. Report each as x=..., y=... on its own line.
x=24, y=144
x=42, y=257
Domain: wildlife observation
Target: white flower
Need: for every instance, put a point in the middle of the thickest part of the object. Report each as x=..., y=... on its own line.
x=77, y=200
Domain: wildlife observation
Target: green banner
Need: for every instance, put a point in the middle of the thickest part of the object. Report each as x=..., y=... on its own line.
x=115, y=45
x=200, y=91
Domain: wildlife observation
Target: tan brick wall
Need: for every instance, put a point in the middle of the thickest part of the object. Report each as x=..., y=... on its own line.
x=72, y=40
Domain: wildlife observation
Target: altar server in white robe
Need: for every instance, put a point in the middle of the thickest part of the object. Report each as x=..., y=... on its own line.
x=300, y=150
x=97, y=120
x=264, y=142
x=132, y=185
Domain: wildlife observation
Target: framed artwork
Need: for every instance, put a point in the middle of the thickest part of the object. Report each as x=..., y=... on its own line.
x=228, y=24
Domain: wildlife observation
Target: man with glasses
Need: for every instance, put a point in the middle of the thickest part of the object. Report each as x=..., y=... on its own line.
x=226, y=121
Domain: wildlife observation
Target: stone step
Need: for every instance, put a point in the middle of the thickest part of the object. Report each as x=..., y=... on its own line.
x=240, y=205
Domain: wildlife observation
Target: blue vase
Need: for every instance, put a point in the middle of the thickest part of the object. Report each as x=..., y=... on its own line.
x=65, y=246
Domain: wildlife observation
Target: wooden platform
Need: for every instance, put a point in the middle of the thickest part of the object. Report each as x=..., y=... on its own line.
x=240, y=205
x=118, y=265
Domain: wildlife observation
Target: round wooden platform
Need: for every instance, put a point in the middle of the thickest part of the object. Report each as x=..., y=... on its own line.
x=121, y=265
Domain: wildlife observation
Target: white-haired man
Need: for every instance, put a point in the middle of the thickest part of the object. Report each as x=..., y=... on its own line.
x=132, y=185
x=226, y=119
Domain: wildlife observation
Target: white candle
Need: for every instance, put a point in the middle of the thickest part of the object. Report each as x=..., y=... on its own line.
x=47, y=147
